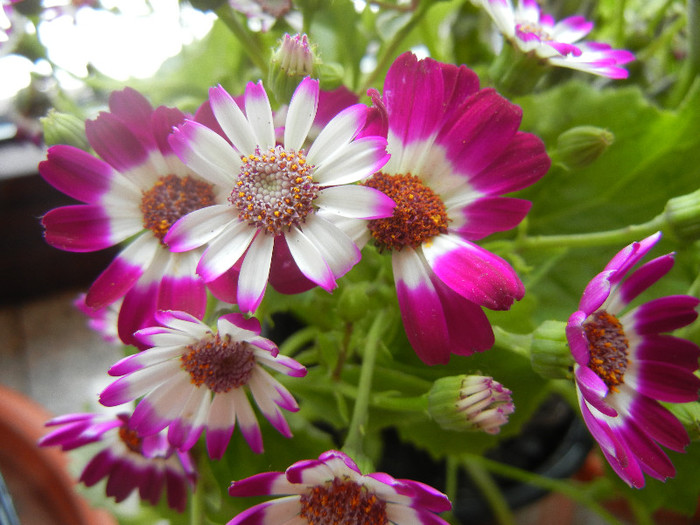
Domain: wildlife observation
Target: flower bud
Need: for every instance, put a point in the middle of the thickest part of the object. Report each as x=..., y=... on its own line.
x=580, y=146
x=63, y=128
x=354, y=302
x=550, y=354
x=292, y=61
x=682, y=217
x=470, y=403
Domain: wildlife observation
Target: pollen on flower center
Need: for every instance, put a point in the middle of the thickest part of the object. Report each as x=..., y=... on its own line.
x=524, y=29
x=275, y=190
x=170, y=198
x=219, y=363
x=131, y=439
x=342, y=503
x=608, y=346
x=419, y=215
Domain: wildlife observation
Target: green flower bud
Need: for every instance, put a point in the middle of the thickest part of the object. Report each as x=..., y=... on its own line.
x=549, y=351
x=63, y=128
x=682, y=217
x=293, y=60
x=354, y=302
x=474, y=403
x=580, y=146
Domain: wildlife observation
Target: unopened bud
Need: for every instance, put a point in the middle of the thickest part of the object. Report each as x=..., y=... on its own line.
x=474, y=403
x=682, y=217
x=293, y=60
x=580, y=146
x=64, y=128
x=354, y=302
x=550, y=354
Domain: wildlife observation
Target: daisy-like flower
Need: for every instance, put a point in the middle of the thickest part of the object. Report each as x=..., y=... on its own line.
x=332, y=489
x=103, y=320
x=558, y=43
x=262, y=14
x=626, y=364
x=135, y=191
x=454, y=150
x=127, y=461
x=283, y=198
x=192, y=378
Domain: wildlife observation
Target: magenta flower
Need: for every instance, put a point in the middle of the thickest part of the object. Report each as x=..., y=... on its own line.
x=135, y=191
x=283, y=197
x=626, y=364
x=558, y=43
x=454, y=150
x=192, y=378
x=332, y=489
x=127, y=461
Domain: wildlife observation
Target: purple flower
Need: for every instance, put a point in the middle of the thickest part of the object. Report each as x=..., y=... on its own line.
x=559, y=43
x=192, y=378
x=283, y=198
x=127, y=461
x=264, y=13
x=626, y=364
x=333, y=490
x=135, y=191
x=454, y=150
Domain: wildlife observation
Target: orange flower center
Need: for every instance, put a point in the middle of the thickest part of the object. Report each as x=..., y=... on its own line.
x=342, y=503
x=131, y=439
x=608, y=346
x=219, y=363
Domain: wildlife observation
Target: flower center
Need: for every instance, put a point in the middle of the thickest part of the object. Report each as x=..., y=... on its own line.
x=342, y=503
x=526, y=30
x=130, y=438
x=419, y=215
x=220, y=364
x=275, y=190
x=609, y=348
x=170, y=198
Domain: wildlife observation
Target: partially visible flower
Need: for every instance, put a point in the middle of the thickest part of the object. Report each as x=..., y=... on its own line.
x=559, y=43
x=194, y=379
x=455, y=149
x=264, y=13
x=136, y=191
x=127, y=461
x=283, y=198
x=626, y=364
x=103, y=320
x=470, y=403
x=332, y=489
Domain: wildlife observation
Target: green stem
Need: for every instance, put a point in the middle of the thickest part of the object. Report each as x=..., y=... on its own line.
x=570, y=489
x=518, y=343
x=488, y=488
x=451, y=483
x=620, y=236
x=197, y=500
x=389, y=51
x=248, y=41
x=298, y=340
x=691, y=67
x=620, y=23
x=353, y=441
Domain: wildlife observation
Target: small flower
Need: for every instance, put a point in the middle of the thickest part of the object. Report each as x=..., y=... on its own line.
x=127, y=461
x=264, y=13
x=558, y=43
x=103, y=320
x=283, y=197
x=293, y=60
x=455, y=149
x=192, y=378
x=626, y=364
x=333, y=490
x=470, y=403
x=135, y=192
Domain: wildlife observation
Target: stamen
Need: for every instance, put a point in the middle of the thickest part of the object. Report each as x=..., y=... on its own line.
x=131, y=439
x=609, y=348
x=343, y=503
x=275, y=190
x=419, y=215
x=219, y=363
x=171, y=198
x=526, y=30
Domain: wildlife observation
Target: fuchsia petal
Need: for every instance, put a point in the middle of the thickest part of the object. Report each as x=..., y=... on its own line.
x=115, y=143
x=488, y=215
x=667, y=348
x=644, y=277
x=81, y=228
x=659, y=423
x=665, y=382
x=664, y=314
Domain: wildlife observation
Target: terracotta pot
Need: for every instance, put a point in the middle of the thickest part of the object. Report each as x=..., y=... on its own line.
x=37, y=478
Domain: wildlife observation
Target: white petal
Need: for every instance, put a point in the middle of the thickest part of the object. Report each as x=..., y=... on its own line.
x=257, y=108
x=337, y=133
x=337, y=249
x=232, y=121
x=225, y=250
x=254, y=273
x=309, y=259
x=302, y=111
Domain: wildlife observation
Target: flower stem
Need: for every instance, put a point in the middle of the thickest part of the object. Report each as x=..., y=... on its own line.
x=387, y=55
x=586, y=240
x=691, y=67
x=488, y=488
x=353, y=441
x=248, y=41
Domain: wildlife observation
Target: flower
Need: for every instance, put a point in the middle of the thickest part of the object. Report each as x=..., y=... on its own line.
x=129, y=462
x=103, y=320
x=135, y=191
x=454, y=149
x=333, y=490
x=192, y=379
x=262, y=14
x=625, y=364
x=558, y=43
x=470, y=402
x=282, y=197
